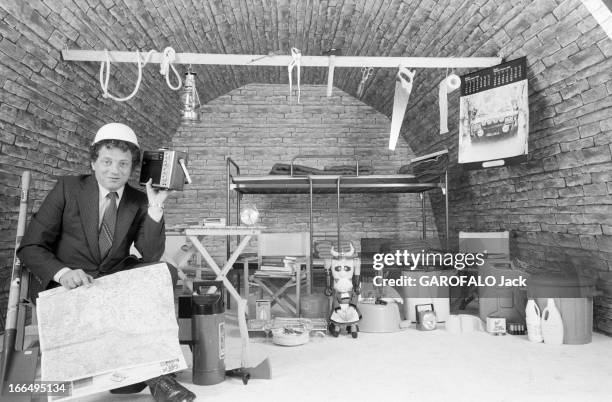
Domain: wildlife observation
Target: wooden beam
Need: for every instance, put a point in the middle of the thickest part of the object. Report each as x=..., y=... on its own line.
x=273, y=60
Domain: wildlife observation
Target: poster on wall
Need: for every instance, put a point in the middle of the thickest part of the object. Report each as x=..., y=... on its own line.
x=494, y=116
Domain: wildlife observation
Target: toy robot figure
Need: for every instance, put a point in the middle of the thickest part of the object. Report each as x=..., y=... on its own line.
x=344, y=269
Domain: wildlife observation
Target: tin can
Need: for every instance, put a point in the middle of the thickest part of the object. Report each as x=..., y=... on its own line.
x=263, y=309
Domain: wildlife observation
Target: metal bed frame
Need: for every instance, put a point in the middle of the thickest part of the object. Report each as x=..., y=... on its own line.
x=328, y=184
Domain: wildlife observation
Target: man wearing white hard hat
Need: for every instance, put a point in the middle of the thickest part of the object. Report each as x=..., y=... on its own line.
x=86, y=225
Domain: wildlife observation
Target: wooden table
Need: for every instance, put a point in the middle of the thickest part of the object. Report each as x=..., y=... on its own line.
x=198, y=233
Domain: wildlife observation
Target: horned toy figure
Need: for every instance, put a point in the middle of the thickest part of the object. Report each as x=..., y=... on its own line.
x=342, y=271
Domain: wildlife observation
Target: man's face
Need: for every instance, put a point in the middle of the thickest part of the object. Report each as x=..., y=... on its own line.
x=112, y=168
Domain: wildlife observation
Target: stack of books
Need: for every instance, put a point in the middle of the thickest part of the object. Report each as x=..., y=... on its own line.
x=279, y=265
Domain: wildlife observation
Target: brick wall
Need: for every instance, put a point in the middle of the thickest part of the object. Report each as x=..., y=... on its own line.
x=558, y=204
x=51, y=109
x=257, y=125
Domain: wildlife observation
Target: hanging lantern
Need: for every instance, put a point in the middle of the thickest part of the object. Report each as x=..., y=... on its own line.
x=190, y=100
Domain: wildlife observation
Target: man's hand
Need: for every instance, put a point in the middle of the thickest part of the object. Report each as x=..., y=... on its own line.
x=75, y=278
x=156, y=197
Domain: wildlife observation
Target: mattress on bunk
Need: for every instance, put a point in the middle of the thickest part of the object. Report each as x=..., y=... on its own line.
x=285, y=169
x=327, y=184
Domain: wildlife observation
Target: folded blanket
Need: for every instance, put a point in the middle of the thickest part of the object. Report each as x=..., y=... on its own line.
x=348, y=170
x=405, y=169
x=298, y=170
x=427, y=170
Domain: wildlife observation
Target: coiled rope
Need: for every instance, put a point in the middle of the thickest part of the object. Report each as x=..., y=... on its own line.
x=168, y=57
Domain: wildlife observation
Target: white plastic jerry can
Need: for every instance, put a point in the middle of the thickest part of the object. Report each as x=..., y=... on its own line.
x=534, y=321
x=552, y=324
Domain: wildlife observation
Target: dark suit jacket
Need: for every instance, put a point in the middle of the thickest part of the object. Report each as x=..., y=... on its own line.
x=64, y=231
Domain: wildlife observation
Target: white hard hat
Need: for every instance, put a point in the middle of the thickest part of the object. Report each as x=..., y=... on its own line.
x=116, y=131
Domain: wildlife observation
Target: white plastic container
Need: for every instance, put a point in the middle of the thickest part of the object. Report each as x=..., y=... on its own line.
x=453, y=324
x=468, y=322
x=379, y=317
x=573, y=297
x=534, y=321
x=552, y=324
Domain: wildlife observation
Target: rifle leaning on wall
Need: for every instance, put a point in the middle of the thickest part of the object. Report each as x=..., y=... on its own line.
x=17, y=366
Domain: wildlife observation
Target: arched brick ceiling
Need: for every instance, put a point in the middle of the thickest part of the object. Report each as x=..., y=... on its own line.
x=365, y=28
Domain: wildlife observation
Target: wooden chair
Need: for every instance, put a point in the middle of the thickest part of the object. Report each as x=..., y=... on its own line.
x=278, y=246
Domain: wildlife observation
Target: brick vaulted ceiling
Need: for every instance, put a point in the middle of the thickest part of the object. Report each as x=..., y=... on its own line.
x=365, y=28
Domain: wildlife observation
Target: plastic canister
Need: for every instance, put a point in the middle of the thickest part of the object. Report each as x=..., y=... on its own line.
x=426, y=290
x=501, y=300
x=573, y=296
x=208, y=335
x=552, y=324
x=534, y=321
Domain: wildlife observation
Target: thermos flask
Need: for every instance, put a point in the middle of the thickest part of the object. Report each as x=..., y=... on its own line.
x=208, y=334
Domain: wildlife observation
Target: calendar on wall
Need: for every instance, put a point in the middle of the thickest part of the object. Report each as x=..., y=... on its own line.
x=494, y=115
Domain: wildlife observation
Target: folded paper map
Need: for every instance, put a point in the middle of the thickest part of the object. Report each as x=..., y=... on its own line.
x=119, y=331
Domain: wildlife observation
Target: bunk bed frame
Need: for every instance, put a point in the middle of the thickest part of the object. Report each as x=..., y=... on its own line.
x=329, y=184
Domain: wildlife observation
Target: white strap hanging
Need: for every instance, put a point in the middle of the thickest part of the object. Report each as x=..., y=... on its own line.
x=168, y=57
x=296, y=62
x=105, y=65
x=447, y=85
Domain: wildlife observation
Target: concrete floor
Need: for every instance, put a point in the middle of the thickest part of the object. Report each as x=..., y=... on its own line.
x=413, y=365
x=410, y=365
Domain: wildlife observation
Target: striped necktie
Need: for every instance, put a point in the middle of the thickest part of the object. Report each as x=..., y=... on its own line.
x=107, y=230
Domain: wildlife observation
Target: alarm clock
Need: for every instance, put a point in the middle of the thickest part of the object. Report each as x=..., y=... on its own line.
x=249, y=215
